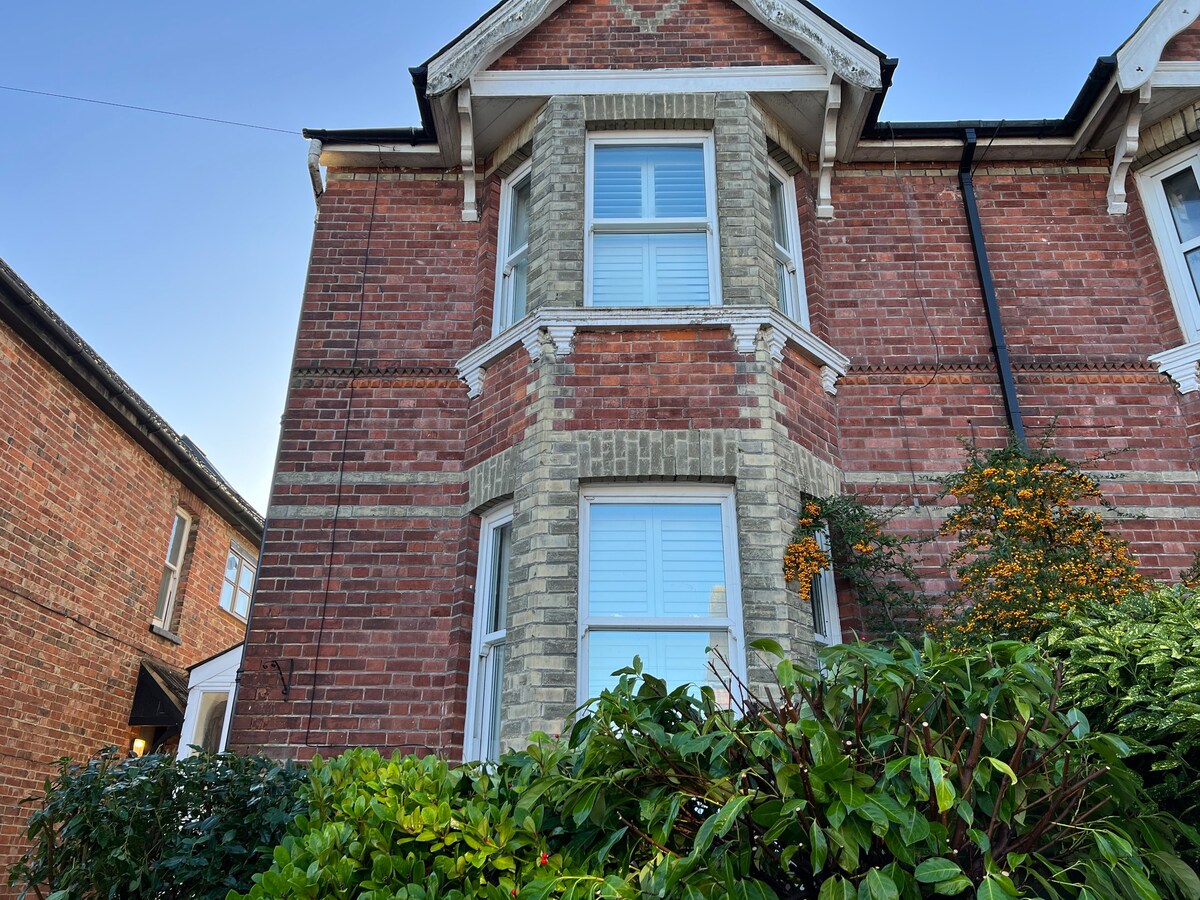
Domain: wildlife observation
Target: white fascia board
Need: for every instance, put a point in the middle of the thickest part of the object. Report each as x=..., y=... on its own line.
x=1139, y=56
x=415, y=156
x=1176, y=74
x=802, y=27
x=580, y=82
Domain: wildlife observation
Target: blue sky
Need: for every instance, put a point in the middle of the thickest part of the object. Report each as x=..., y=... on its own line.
x=178, y=248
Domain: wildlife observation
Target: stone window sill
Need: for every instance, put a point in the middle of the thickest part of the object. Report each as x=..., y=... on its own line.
x=559, y=325
x=166, y=635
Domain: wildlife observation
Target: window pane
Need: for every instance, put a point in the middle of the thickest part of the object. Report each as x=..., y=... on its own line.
x=1193, y=261
x=247, y=577
x=164, y=589
x=518, y=287
x=518, y=231
x=495, y=687
x=501, y=552
x=656, y=560
x=650, y=270
x=817, y=601
x=227, y=591
x=1183, y=196
x=231, y=567
x=649, y=183
x=178, y=540
x=213, y=724
x=677, y=657
x=779, y=214
x=242, y=608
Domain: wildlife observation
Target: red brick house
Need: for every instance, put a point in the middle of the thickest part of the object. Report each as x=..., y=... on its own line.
x=124, y=558
x=573, y=351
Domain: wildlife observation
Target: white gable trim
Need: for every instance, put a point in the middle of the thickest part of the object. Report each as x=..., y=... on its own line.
x=795, y=23
x=1139, y=56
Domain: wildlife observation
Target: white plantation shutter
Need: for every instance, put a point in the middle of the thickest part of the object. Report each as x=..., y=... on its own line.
x=650, y=270
x=659, y=560
x=651, y=225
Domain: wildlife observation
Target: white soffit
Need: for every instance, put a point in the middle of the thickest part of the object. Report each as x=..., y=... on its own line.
x=800, y=26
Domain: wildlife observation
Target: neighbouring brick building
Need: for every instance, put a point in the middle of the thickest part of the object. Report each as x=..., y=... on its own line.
x=573, y=351
x=124, y=558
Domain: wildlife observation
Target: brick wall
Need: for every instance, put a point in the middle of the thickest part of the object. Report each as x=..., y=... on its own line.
x=85, y=518
x=622, y=34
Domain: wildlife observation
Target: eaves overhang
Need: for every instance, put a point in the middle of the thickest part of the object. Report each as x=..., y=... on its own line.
x=56, y=342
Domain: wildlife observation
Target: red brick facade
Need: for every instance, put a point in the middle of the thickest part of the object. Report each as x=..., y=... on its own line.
x=85, y=520
x=388, y=461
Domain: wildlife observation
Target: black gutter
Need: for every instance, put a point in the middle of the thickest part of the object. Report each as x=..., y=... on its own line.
x=56, y=342
x=1008, y=387
x=1097, y=80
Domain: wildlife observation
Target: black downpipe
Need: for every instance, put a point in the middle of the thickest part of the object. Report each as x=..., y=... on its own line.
x=1012, y=406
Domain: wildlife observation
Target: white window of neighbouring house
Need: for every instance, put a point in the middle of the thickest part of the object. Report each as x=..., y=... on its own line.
x=512, y=250
x=827, y=618
x=168, y=588
x=238, y=583
x=785, y=228
x=651, y=221
x=659, y=580
x=1171, y=190
x=482, y=732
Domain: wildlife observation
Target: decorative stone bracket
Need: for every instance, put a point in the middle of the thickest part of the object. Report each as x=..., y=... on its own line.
x=1182, y=365
x=557, y=326
x=1126, y=151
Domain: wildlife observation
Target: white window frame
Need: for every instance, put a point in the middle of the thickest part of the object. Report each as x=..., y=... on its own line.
x=795, y=305
x=1166, y=238
x=217, y=675
x=502, y=312
x=244, y=562
x=477, y=736
x=653, y=226
x=663, y=493
x=824, y=594
x=164, y=617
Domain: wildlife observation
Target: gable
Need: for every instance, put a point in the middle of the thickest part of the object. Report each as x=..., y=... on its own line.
x=649, y=34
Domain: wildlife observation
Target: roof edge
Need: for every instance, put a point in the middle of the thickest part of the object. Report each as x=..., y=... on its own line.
x=56, y=342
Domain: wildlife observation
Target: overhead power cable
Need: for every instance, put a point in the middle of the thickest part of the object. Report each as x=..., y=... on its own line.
x=161, y=112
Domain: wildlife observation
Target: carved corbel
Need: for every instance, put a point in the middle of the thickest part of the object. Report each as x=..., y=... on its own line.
x=745, y=335
x=829, y=379
x=776, y=341
x=833, y=104
x=474, y=379
x=563, y=337
x=470, y=212
x=532, y=341
x=1126, y=150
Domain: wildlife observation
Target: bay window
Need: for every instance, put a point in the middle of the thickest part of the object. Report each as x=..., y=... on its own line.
x=651, y=221
x=659, y=580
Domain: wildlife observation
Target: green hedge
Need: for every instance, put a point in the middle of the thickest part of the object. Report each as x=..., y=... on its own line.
x=901, y=773
x=1135, y=666
x=155, y=827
